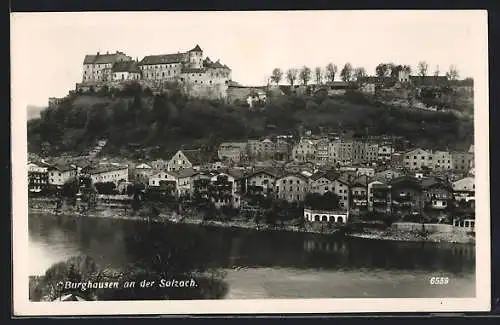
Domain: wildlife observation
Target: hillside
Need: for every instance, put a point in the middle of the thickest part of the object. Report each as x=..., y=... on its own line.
x=133, y=120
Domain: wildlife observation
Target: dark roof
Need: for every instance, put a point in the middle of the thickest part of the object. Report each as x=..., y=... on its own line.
x=193, y=155
x=162, y=59
x=362, y=180
x=197, y=48
x=429, y=80
x=102, y=58
x=61, y=167
x=186, y=172
x=406, y=180
x=431, y=182
x=106, y=168
x=330, y=175
x=269, y=171
x=126, y=66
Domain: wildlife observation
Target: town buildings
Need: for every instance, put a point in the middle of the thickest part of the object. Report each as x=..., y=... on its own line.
x=292, y=187
x=109, y=174
x=38, y=177
x=60, y=174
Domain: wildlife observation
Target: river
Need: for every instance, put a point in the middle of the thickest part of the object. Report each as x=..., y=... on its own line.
x=266, y=264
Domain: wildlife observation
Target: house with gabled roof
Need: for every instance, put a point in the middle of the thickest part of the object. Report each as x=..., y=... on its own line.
x=358, y=190
x=60, y=173
x=186, y=158
x=323, y=181
x=437, y=192
x=261, y=181
x=292, y=187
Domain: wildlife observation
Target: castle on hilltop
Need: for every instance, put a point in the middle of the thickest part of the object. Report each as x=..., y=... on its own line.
x=198, y=77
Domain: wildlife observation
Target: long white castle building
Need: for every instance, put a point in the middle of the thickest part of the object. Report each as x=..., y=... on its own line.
x=199, y=77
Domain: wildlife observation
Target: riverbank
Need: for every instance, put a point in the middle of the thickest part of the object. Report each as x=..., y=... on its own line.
x=192, y=220
x=389, y=234
x=413, y=236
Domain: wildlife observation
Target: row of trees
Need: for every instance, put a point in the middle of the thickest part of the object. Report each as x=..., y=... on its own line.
x=348, y=73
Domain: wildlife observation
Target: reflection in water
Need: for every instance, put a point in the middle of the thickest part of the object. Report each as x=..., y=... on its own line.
x=261, y=264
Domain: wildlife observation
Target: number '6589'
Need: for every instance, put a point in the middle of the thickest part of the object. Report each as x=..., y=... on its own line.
x=439, y=280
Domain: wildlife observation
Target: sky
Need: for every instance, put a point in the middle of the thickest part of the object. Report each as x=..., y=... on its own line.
x=47, y=49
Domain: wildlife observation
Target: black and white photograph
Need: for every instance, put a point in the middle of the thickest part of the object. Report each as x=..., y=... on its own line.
x=250, y=162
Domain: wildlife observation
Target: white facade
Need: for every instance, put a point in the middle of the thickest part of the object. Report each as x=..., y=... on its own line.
x=325, y=216
x=112, y=174
x=154, y=181
x=418, y=158
x=59, y=177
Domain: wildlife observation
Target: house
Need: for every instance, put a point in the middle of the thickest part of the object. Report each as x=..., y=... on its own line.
x=232, y=151
x=125, y=70
x=184, y=158
x=292, y=187
x=184, y=185
x=359, y=193
x=304, y=150
x=406, y=195
x=385, y=152
x=261, y=149
x=159, y=164
x=341, y=189
x=223, y=191
x=322, y=182
x=60, y=174
x=109, y=173
x=368, y=171
x=38, y=177
x=461, y=161
x=282, y=149
x=417, y=158
x=346, y=152
x=371, y=152
x=441, y=160
x=201, y=184
x=379, y=196
x=464, y=189
x=164, y=181
x=143, y=171
x=322, y=154
x=261, y=182
x=437, y=193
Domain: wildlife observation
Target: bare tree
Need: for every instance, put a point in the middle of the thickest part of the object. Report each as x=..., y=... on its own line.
x=436, y=72
x=422, y=68
x=331, y=71
x=452, y=73
x=359, y=74
x=346, y=72
x=407, y=69
x=305, y=75
x=291, y=75
x=276, y=76
x=318, y=74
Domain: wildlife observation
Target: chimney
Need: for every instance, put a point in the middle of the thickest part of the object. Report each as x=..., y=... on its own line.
x=107, y=52
x=97, y=53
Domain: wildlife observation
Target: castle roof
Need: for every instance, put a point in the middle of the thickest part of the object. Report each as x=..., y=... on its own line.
x=197, y=48
x=162, y=59
x=126, y=66
x=102, y=58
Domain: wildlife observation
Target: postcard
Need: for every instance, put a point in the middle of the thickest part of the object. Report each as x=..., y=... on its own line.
x=250, y=162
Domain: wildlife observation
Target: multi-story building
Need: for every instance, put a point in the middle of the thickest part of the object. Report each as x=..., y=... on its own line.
x=60, y=174
x=184, y=159
x=417, y=159
x=232, y=151
x=341, y=189
x=358, y=152
x=359, y=194
x=461, y=161
x=464, y=189
x=385, y=152
x=346, y=152
x=437, y=193
x=371, y=152
x=38, y=177
x=379, y=197
x=125, y=70
x=441, y=161
x=98, y=67
x=164, y=181
x=304, y=150
x=322, y=182
x=261, y=149
x=223, y=191
x=322, y=154
x=109, y=174
x=261, y=182
x=334, y=151
x=406, y=195
x=388, y=174
x=292, y=187
x=282, y=149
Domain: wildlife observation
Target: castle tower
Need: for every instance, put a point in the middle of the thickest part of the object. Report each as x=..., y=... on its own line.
x=196, y=57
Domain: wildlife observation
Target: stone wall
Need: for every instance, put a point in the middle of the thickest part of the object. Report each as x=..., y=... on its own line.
x=430, y=227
